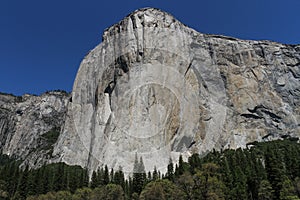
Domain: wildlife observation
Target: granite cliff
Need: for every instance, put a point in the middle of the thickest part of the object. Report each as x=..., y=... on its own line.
x=30, y=125
x=157, y=88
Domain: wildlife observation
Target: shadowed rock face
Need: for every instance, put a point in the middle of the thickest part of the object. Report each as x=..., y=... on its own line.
x=159, y=89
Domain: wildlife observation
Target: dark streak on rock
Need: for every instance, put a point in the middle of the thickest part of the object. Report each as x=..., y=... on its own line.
x=254, y=110
x=274, y=116
x=246, y=115
x=192, y=144
x=188, y=68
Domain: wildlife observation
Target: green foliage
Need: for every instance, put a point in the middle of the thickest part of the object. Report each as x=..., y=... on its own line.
x=265, y=191
x=162, y=189
x=181, y=168
x=119, y=178
x=82, y=194
x=108, y=192
x=106, y=176
x=55, y=91
x=155, y=174
x=20, y=184
x=207, y=183
x=287, y=191
x=48, y=139
x=255, y=173
x=3, y=190
x=51, y=136
x=139, y=175
x=170, y=172
x=268, y=170
x=186, y=183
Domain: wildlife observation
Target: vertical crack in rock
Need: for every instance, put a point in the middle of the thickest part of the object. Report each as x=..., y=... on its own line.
x=188, y=68
x=92, y=143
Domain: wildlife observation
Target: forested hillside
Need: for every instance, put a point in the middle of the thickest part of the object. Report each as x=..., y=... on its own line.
x=268, y=170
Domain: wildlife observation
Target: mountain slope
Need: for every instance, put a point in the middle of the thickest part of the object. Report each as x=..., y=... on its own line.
x=156, y=89
x=30, y=125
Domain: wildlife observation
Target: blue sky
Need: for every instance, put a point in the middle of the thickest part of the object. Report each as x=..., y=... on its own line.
x=43, y=42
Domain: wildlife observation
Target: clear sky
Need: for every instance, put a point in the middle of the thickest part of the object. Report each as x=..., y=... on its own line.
x=43, y=42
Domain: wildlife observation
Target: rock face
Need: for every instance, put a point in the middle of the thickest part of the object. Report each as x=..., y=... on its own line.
x=157, y=88
x=30, y=125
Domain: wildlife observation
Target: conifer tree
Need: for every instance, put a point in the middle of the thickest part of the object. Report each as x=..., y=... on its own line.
x=207, y=183
x=111, y=178
x=181, y=166
x=170, y=171
x=119, y=178
x=139, y=175
x=85, y=178
x=274, y=168
x=94, y=180
x=265, y=191
x=100, y=177
x=155, y=174
x=149, y=177
x=287, y=191
x=142, y=171
x=31, y=183
x=22, y=185
x=106, y=175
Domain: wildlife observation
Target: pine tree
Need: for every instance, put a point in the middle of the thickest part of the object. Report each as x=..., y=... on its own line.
x=58, y=177
x=240, y=184
x=170, y=172
x=186, y=183
x=100, y=177
x=85, y=178
x=149, y=177
x=162, y=189
x=265, y=191
x=176, y=173
x=155, y=174
x=194, y=162
x=130, y=186
x=106, y=175
x=181, y=166
x=274, y=168
x=12, y=177
x=139, y=175
x=94, y=180
x=119, y=178
x=127, y=188
x=297, y=186
x=287, y=191
x=143, y=172
x=207, y=183
x=22, y=185
x=31, y=183
x=112, y=175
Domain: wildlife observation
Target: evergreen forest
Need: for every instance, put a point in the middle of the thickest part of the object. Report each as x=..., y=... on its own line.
x=262, y=171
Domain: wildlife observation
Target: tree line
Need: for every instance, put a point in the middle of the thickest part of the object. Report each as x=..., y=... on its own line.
x=267, y=170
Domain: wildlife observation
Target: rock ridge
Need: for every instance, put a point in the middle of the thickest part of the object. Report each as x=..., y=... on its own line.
x=26, y=120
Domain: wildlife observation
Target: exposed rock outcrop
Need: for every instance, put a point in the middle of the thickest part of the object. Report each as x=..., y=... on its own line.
x=30, y=125
x=159, y=89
